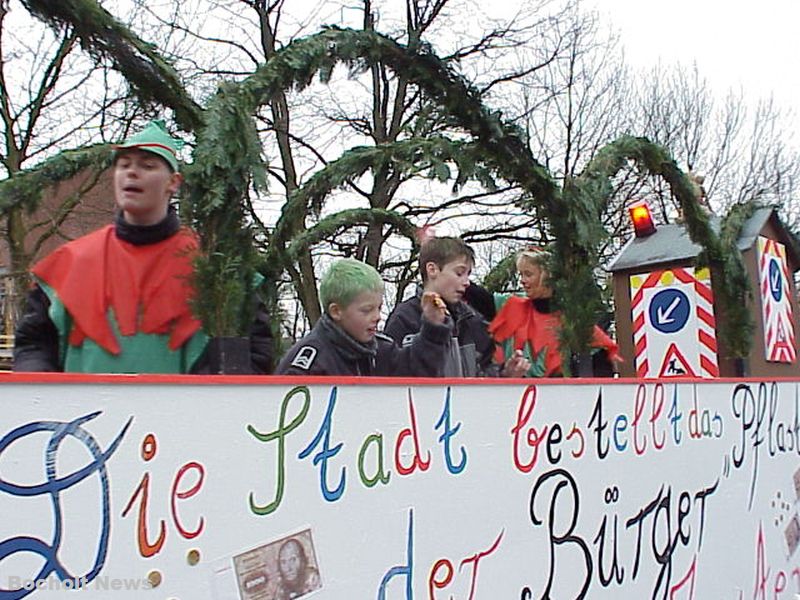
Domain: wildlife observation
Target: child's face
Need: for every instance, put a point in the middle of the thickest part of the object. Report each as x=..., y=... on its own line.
x=360, y=318
x=451, y=281
x=143, y=185
x=534, y=279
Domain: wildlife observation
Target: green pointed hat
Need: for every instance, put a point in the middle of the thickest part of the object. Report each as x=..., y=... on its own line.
x=154, y=138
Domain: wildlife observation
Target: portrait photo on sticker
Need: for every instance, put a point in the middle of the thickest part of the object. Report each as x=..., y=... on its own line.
x=283, y=569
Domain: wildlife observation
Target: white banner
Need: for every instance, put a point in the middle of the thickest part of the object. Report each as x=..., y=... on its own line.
x=185, y=488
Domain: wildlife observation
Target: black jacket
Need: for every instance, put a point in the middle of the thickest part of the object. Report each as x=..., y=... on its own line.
x=36, y=339
x=328, y=350
x=471, y=341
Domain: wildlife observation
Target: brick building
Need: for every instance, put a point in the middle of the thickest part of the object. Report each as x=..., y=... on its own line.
x=48, y=227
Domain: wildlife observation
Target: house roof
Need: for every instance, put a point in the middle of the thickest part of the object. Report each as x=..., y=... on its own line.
x=671, y=243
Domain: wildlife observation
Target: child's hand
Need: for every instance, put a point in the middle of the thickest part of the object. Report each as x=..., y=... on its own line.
x=433, y=308
x=517, y=365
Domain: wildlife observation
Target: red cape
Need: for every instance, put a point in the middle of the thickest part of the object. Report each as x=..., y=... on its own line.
x=519, y=319
x=148, y=287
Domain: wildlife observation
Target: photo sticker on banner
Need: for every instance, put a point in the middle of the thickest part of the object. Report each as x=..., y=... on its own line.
x=284, y=568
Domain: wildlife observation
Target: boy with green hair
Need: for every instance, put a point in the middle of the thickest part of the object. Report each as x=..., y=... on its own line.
x=345, y=340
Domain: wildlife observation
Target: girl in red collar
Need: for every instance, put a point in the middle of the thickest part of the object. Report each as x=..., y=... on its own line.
x=531, y=323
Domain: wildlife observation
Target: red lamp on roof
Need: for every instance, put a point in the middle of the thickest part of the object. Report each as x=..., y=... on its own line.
x=642, y=219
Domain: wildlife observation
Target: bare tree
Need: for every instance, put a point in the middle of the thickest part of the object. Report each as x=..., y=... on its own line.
x=44, y=107
x=740, y=147
x=382, y=146
x=573, y=105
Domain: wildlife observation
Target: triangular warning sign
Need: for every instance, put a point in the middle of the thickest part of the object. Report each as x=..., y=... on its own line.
x=675, y=364
x=781, y=338
x=781, y=351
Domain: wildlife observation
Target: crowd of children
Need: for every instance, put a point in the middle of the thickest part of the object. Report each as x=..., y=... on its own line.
x=117, y=301
x=436, y=332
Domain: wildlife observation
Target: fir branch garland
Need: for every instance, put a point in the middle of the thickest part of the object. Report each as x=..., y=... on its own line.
x=347, y=219
x=227, y=159
x=720, y=252
x=411, y=155
x=501, y=144
x=296, y=65
x=501, y=275
x=25, y=189
x=736, y=291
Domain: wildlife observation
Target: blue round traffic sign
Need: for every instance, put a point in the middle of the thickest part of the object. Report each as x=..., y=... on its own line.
x=775, y=280
x=669, y=310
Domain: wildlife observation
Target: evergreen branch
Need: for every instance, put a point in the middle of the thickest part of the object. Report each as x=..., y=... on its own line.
x=738, y=294
x=501, y=275
x=25, y=189
x=415, y=154
x=720, y=252
x=298, y=63
x=347, y=219
x=227, y=158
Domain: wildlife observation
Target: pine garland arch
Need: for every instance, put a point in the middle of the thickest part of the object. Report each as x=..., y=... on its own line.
x=593, y=188
x=344, y=220
x=221, y=174
x=295, y=67
x=418, y=154
x=25, y=189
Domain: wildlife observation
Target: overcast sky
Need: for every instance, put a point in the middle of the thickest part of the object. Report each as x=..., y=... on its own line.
x=734, y=42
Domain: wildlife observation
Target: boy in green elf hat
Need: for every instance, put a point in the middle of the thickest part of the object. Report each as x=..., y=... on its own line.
x=118, y=300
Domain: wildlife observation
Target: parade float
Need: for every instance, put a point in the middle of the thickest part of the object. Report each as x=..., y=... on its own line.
x=188, y=487
x=678, y=480
x=680, y=483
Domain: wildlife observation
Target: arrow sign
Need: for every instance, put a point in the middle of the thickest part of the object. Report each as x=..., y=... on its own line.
x=777, y=304
x=775, y=280
x=664, y=317
x=669, y=310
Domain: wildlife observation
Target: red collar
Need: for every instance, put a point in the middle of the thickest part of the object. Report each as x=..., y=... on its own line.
x=147, y=287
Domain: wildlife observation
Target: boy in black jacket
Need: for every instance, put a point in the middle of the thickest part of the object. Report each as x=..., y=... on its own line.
x=445, y=264
x=345, y=341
